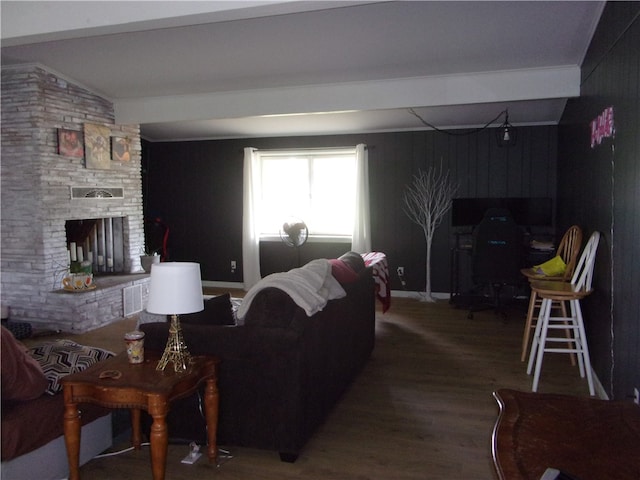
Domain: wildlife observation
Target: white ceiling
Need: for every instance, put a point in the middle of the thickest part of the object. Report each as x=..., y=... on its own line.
x=192, y=70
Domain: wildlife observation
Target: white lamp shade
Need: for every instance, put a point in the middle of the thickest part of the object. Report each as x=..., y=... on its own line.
x=176, y=288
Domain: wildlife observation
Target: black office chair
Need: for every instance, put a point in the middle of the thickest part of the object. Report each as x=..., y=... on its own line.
x=496, y=259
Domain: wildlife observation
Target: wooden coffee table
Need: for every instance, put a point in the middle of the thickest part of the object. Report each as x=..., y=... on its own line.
x=586, y=438
x=140, y=387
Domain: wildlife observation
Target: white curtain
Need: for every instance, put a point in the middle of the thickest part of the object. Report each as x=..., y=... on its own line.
x=250, y=214
x=361, y=240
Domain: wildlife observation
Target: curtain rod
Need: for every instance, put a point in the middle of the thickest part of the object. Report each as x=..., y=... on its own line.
x=294, y=149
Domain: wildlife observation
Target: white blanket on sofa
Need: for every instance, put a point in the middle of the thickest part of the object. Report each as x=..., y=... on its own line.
x=310, y=286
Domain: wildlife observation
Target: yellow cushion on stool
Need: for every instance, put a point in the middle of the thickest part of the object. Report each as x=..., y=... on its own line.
x=553, y=267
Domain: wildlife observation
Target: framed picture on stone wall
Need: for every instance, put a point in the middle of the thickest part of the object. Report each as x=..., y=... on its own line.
x=96, y=139
x=70, y=143
x=120, y=149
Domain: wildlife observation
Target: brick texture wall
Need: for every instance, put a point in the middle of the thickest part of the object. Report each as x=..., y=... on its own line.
x=36, y=199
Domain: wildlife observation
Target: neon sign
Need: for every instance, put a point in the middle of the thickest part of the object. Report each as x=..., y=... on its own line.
x=602, y=127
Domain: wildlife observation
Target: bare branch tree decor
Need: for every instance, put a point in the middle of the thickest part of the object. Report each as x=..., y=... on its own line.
x=426, y=201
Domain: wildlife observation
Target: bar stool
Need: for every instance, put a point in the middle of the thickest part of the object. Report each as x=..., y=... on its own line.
x=568, y=250
x=573, y=292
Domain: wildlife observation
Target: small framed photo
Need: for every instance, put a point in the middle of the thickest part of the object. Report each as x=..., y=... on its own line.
x=70, y=143
x=121, y=149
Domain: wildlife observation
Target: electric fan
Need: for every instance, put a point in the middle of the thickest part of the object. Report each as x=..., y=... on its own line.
x=294, y=233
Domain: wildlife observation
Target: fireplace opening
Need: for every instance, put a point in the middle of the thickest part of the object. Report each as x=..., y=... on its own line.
x=97, y=243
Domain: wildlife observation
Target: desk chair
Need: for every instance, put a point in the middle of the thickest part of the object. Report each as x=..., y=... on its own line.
x=496, y=257
x=573, y=292
x=568, y=250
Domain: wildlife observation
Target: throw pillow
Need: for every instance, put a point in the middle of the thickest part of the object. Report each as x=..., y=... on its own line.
x=354, y=260
x=217, y=311
x=342, y=272
x=22, y=377
x=64, y=357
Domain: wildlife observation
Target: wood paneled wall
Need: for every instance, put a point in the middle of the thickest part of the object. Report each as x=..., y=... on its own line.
x=599, y=188
x=196, y=187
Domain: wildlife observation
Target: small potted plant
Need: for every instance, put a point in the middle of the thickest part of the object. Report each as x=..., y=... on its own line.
x=147, y=259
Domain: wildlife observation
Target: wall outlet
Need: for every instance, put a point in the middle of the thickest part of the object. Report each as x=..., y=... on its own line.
x=636, y=396
x=401, y=271
x=233, y=266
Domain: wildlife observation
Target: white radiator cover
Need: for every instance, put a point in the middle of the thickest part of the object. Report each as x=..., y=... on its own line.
x=132, y=299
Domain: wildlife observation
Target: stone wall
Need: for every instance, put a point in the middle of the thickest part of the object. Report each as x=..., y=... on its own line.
x=36, y=198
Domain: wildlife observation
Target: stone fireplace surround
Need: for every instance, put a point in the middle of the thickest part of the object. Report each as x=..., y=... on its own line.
x=36, y=202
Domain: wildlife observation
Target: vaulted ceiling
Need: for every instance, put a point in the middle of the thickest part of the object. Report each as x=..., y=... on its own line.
x=192, y=70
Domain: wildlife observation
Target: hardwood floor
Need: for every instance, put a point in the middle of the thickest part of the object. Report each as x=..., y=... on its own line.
x=422, y=408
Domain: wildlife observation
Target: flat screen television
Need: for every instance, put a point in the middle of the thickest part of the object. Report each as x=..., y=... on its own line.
x=527, y=212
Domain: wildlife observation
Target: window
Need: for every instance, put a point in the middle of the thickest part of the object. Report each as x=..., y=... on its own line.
x=317, y=186
x=328, y=189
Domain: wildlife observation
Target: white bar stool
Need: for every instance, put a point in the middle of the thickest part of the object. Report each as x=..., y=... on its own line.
x=572, y=293
x=568, y=250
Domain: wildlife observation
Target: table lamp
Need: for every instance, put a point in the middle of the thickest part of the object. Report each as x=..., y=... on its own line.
x=176, y=288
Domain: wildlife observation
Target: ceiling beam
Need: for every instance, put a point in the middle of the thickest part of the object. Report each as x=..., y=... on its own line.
x=487, y=87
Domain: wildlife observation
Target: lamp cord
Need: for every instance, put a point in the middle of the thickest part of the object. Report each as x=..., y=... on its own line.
x=459, y=134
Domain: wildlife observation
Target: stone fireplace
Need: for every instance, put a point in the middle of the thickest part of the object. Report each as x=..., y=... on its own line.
x=38, y=205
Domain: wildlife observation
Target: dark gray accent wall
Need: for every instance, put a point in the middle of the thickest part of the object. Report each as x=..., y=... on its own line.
x=196, y=187
x=599, y=188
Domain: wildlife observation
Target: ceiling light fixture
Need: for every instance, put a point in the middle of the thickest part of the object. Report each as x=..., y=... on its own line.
x=505, y=135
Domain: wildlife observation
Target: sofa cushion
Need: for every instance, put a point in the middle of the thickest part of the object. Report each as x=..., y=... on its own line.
x=217, y=311
x=342, y=272
x=27, y=426
x=64, y=357
x=354, y=260
x=22, y=376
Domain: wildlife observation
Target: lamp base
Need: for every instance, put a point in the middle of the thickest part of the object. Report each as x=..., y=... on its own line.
x=176, y=350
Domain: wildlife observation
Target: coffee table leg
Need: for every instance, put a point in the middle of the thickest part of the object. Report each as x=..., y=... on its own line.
x=72, y=435
x=211, y=402
x=159, y=438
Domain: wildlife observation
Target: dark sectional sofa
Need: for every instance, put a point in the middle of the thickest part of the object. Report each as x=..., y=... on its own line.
x=282, y=371
x=33, y=408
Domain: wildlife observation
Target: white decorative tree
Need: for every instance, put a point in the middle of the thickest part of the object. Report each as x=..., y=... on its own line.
x=426, y=201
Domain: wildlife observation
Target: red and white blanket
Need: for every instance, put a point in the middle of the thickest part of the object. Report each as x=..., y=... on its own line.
x=378, y=262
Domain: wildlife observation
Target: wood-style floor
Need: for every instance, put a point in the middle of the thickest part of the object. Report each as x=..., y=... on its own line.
x=422, y=408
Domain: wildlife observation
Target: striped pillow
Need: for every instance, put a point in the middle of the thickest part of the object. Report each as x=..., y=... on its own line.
x=63, y=357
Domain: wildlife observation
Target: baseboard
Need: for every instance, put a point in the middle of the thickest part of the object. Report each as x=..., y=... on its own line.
x=597, y=386
x=418, y=295
x=230, y=285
